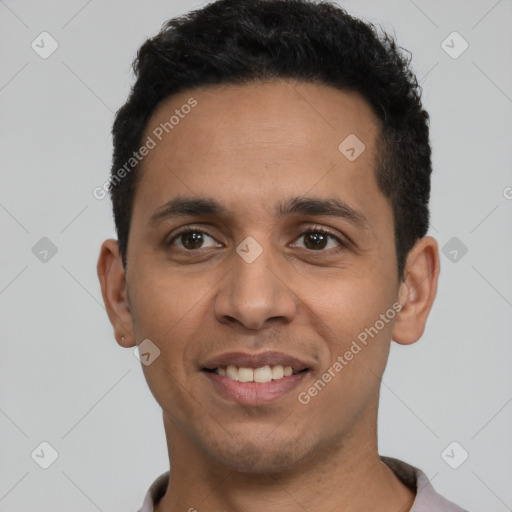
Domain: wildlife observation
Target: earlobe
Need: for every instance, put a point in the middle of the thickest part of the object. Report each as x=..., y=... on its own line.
x=417, y=291
x=114, y=292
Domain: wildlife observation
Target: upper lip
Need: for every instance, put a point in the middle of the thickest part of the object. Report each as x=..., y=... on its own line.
x=242, y=359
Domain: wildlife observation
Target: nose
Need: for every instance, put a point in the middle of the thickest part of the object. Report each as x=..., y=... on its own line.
x=255, y=293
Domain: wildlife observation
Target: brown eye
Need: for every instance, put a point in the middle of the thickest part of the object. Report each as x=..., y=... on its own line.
x=192, y=240
x=318, y=239
x=315, y=240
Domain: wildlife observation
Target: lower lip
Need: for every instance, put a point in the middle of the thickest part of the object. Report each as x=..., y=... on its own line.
x=254, y=393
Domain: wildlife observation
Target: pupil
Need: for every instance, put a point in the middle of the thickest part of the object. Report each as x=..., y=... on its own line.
x=192, y=240
x=316, y=240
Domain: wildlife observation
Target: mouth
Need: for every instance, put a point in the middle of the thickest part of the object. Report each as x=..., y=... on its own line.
x=254, y=379
x=261, y=375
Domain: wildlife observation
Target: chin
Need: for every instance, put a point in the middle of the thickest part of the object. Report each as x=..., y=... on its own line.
x=258, y=457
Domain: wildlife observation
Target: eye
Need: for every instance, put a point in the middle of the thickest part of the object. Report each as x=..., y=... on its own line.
x=320, y=239
x=192, y=239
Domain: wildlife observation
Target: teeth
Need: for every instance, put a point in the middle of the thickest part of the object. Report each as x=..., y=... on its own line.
x=277, y=372
x=245, y=374
x=262, y=375
x=232, y=372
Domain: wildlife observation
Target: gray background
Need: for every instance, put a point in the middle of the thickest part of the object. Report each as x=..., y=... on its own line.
x=63, y=378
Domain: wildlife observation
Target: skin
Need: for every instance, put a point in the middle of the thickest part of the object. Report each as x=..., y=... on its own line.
x=251, y=147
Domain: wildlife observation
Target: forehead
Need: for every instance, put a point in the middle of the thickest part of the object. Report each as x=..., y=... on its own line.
x=251, y=145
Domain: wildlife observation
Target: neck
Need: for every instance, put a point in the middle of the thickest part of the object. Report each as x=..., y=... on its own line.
x=347, y=477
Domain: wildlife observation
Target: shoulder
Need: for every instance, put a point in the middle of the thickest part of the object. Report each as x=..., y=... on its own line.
x=427, y=499
x=155, y=493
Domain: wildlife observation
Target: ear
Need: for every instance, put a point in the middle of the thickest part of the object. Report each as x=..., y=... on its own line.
x=417, y=291
x=113, y=289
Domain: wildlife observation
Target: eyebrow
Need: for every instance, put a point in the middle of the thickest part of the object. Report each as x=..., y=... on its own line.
x=187, y=206
x=330, y=207
x=202, y=207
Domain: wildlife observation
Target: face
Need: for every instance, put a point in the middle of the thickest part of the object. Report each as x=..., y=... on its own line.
x=258, y=249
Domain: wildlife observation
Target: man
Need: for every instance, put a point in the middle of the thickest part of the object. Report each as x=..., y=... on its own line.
x=270, y=184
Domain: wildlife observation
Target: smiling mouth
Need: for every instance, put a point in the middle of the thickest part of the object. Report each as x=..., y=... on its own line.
x=261, y=375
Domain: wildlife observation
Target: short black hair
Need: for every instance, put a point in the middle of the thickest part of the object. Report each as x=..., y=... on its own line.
x=244, y=41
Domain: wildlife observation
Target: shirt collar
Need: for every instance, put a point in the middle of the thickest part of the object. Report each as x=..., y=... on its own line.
x=427, y=499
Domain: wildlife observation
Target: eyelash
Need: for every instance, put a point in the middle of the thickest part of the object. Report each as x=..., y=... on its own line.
x=314, y=229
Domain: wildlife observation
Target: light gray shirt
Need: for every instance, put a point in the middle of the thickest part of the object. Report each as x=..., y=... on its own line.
x=427, y=499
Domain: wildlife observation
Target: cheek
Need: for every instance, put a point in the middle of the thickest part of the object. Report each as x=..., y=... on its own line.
x=352, y=303
x=169, y=314
x=165, y=302
x=169, y=309
x=349, y=382
x=356, y=320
